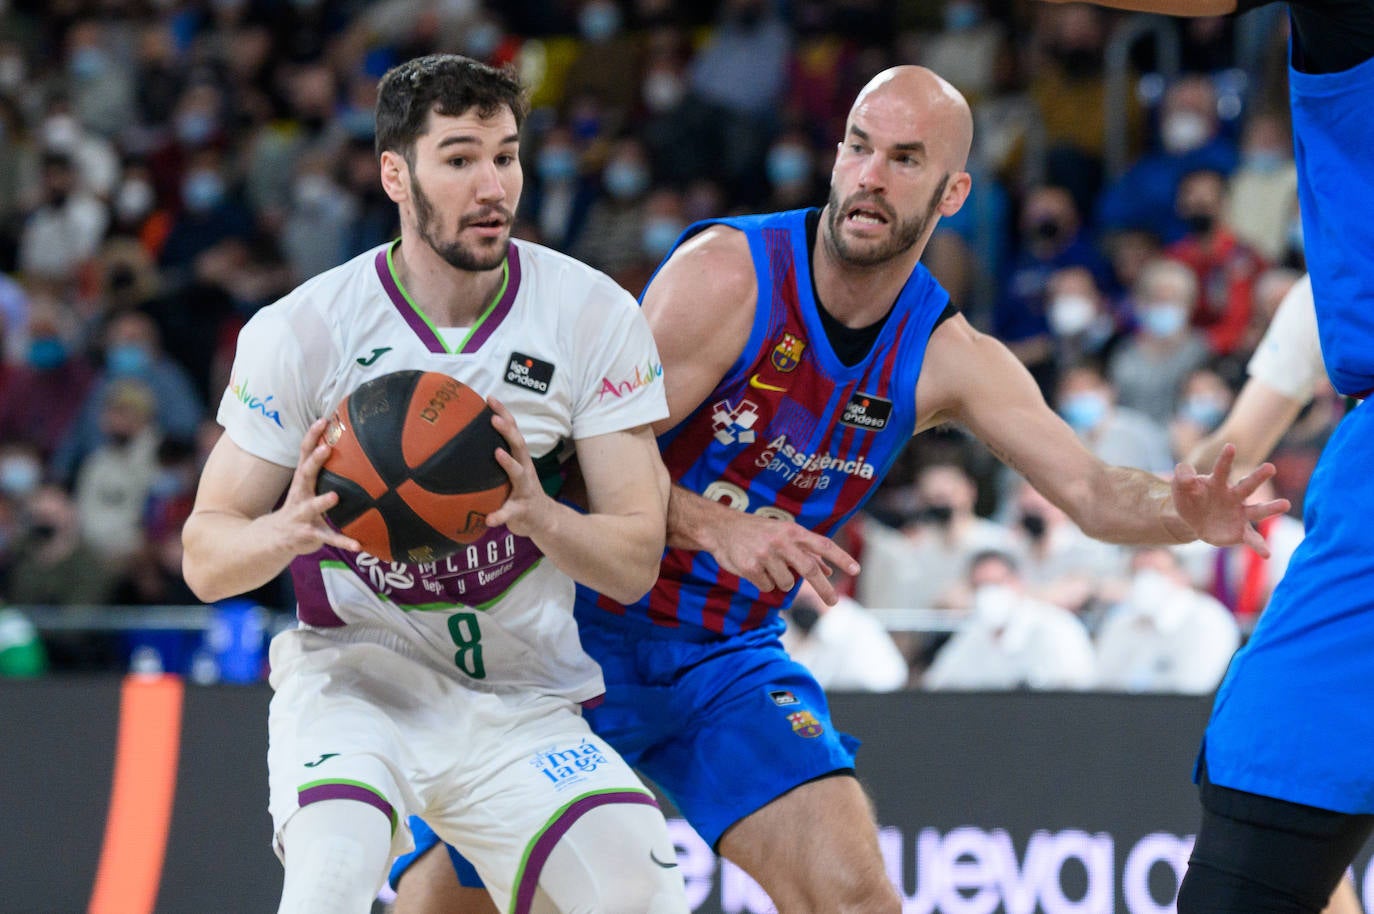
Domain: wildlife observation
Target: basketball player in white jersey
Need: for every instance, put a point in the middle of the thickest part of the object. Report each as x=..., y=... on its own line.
x=450, y=690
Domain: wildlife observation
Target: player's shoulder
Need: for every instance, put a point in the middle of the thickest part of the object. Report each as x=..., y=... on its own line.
x=718, y=258
x=577, y=284
x=322, y=300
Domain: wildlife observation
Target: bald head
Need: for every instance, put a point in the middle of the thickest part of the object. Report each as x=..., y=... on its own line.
x=929, y=103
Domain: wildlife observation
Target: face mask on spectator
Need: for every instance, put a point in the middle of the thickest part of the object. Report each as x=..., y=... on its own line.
x=202, y=191
x=88, y=63
x=1150, y=590
x=787, y=165
x=47, y=353
x=134, y=200
x=12, y=71
x=1070, y=314
x=127, y=359
x=194, y=127
x=1184, y=131
x=482, y=40
x=167, y=484
x=1264, y=161
x=586, y=126
x=659, y=234
x=1203, y=411
x=663, y=89
x=61, y=132
x=599, y=21
x=1084, y=411
x=557, y=164
x=961, y=15
x=626, y=180
x=312, y=190
x=19, y=475
x=1163, y=319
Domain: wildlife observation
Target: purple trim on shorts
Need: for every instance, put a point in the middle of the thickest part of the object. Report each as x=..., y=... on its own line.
x=337, y=791
x=312, y=602
x=545, y=843
x=408, y=312
x=503, y=307
x=595, y=701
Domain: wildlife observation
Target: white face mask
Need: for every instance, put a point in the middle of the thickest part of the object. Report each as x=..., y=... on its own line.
x=1184, y=131
x=663, y=89
x=1071, y=314
x=994, y=604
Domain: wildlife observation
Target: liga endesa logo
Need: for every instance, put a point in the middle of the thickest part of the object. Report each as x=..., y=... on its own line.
x=972, y=870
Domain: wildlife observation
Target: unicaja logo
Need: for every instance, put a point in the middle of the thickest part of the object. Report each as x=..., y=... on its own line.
x=263, y=405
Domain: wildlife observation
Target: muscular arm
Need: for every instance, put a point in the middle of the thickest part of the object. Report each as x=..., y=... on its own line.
x=1257, y=421
x=972, y=379
x=233, y=540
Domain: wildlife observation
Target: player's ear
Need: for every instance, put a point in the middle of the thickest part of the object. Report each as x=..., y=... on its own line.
x=395, y=176
x=956, y=192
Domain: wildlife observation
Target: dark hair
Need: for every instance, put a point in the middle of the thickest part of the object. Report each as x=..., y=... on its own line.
x=447, y=84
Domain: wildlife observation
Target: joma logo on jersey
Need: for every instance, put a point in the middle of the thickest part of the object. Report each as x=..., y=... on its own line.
x=734, y=423
x=528, y=372
x=565, y=767
x=441, y=398
x=260, y=404
x=867, y=412
x=644, y=375
x=787, y=354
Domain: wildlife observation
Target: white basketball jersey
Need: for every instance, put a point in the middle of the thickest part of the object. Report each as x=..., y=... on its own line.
x=564, y=347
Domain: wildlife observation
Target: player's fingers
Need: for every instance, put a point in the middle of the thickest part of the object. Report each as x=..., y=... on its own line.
x=1225, y=458
x=1184, y=474
x=1261, y=510
x=319, y=504
x=312, y=438
x=1257, y=477
x=513, y=467
x=827, y=550
x=779, y=573
x=820, y=581
x=340, y=541
x=1255, y=541
x=308, y=471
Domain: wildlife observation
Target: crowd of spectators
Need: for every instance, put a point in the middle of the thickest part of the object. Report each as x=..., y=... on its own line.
x=168, y=167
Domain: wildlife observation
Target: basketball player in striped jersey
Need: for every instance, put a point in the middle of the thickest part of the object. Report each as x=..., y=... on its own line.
x=450, y=689
x=802, y=350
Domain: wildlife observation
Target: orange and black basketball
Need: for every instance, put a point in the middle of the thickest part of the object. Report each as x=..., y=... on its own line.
x=413, y=464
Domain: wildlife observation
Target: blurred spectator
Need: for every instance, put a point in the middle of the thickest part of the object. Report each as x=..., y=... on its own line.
x=137, y=213
x=1050, y=241
x=113, y=482
x=610, y=241
x=1079, y=317
x=66, y=229
x=1191, y=139
x=101, y=85
x=790, y=168
x=664, y=222
x=1129, y=251
x=609, y=62
x=1166, y=637
x=915, y=566
x=1241, y=578
x=1010, y=641
x=376, y=220
x=54, y=565
x=210, y=213
x=1116, y=434
x=1204, y=401
x=21, y=469
x=153, y=576
x=558, y=194
x=321, y=213
x=1060, y=563
x=965, y=51
x=843, y=646
x=1226, y=267
x=159, y=78
x=1148, y=369
x=1270, y=289
x=94, y=161
x=133, y=351
x=41, y=397
x=1264, y=190
x=20, y=169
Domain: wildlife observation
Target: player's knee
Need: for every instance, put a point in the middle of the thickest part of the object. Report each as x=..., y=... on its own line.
x=336, y=857
x=616, y=859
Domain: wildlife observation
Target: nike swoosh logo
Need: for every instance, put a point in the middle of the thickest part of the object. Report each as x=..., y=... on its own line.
x=321, y=760
x=666, y=866
x=376, y=354
x=755, y=382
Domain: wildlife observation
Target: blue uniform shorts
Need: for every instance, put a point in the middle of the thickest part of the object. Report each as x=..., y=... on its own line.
x=723, y=726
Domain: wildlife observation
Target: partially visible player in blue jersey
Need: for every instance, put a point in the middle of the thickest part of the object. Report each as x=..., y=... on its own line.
x=1287, y=764
x=801, y=351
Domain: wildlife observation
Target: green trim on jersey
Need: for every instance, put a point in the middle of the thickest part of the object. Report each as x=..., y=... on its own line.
x=486, y=312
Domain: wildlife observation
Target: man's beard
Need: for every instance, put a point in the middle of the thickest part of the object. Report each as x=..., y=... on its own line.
x=904, y=235
x=455, y=254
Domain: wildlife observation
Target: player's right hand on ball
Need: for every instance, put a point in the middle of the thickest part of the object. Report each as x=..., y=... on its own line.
x=771, y=553
x=301, y=517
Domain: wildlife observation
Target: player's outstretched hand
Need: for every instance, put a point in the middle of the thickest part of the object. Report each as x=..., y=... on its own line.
x=301, y=516
x=1218, y=512
x=771, y=553
x=523, y=510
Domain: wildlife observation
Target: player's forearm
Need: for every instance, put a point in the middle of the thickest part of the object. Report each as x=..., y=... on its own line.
x=1168, y=7
x=614, y=554
x=224, y=554
x=1130, y=507
x=692, y=519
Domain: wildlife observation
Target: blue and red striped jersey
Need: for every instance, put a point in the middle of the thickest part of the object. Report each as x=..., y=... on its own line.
x=790, y=431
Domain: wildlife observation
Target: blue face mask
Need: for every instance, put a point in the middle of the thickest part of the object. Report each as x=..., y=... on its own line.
x=88, y=63
x=127, y=359
x=19, y=476
x=194, y=127
x=960, y=16
x=599, y=21
x=1204, y=412
x=1084, y=411
x=788, y=165
x=659, y=235
x=1163, y=320
x=625, y=180
x=202, y=191
x=47, y=353
x=557, y=164
x=1264, y=161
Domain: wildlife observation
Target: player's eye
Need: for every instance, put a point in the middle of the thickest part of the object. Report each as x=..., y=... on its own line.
x=505, y=159
x=458, y=162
